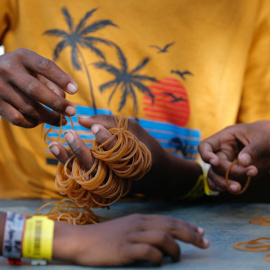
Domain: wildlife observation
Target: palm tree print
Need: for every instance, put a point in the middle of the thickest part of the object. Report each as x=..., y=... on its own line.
x=78, y=38
x=125, y=81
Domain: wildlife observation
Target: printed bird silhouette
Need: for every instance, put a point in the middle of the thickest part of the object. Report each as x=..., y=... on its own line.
x=179, y=145
x=162, y=50
x=182, y=74
x=175, y=99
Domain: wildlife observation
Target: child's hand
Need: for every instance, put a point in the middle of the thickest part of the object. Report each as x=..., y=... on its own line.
x=29, y=81
x=249, y=143
x=125, y=240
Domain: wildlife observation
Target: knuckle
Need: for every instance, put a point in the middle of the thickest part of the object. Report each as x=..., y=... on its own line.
x=76, y=148
x=6, y=67
x=254, y=149
x=57, y=105
x=31, y=87
x=21, y=51
x=105, y=137
x=28, y=109
x=10, y=61
x=193, y=238
x=133, y=122
x=136, y=216
x=162, y=237
x=44, y=64
x=60, y=77
x=172, y=225
x=137, y=220
x=146, y=250
x=16, y=119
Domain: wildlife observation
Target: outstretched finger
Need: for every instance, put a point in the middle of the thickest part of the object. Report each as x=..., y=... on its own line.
x=179, y=229
x=102, y=135
x=79, y=148
x=60, y=152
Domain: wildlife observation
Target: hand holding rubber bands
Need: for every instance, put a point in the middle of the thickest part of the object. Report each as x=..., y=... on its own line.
x=227, y=180
x=111, y=175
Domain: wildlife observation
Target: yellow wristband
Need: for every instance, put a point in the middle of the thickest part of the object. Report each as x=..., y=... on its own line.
x=203, y=177
x=196, y=192
x=38, y=238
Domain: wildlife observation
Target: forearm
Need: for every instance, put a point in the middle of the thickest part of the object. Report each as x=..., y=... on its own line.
x=174, y=177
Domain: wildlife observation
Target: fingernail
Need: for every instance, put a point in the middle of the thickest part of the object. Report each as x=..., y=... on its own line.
x=213, y=161
x=251, y=172
x=69, y=136
x=206, y=242
x=95, y=129
x=72, y=88
x=64, y=121
x=54, y=149
x=245, y=159
x=233, y=187
x=70, y=110
x=200, y=230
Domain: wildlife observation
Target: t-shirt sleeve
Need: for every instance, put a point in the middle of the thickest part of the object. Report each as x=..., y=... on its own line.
x=255, y=102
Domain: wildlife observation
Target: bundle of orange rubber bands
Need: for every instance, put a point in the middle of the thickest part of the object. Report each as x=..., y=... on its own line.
x=109, y=178
x=259, y=244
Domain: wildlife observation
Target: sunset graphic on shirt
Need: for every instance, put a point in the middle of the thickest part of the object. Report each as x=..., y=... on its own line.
x=171, y=103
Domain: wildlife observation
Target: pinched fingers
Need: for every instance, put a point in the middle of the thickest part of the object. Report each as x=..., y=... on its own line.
x=55, y=88
x=216, y=182
x=19, y=109
x=37, y=91
x=47, y=68
x=39, y=81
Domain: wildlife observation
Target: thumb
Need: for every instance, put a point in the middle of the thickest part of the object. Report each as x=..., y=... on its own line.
x=250, y=153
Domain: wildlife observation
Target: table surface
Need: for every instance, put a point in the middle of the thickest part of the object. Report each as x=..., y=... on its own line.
x=225, y=224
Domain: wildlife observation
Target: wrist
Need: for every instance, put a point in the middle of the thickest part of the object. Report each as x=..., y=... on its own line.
x=64, y=241
x=12, y=237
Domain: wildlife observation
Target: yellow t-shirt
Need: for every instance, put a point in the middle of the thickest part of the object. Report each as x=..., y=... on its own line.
x=184, y=69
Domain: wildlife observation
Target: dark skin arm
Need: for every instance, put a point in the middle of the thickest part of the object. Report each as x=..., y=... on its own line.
x=169, y=177
x=27, y=82
x=121, y=241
